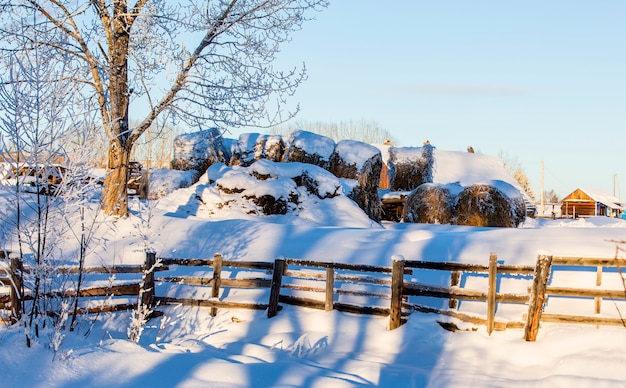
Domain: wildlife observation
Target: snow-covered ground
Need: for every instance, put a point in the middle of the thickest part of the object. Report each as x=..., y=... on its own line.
x=300, y=347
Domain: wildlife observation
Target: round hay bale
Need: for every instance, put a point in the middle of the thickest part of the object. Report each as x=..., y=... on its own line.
x=410, y=167
x=429, y=203
x=362, y=162
x=274, y=148
x=485, y=205
x=198, y=150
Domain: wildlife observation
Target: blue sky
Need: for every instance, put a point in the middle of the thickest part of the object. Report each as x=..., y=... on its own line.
x=535, y=80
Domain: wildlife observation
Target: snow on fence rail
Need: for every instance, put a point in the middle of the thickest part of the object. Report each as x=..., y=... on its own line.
x=393, y=291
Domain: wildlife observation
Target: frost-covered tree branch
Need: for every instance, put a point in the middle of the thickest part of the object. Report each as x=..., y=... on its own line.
x=207, y=63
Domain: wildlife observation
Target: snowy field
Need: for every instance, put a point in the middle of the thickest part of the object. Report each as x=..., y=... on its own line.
x=300, y=347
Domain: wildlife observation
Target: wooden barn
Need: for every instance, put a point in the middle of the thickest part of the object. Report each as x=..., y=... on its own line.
x=585, y=203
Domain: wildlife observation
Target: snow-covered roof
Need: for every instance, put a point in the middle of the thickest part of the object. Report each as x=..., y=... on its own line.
x=606, y=199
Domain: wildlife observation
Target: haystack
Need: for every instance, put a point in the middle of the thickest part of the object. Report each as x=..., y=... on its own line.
x=273, y=148
x=486, y=205
x=362, y=162
x=308, y=147
x=198, y=150
x=430, y=203
x=244, y=151
x=410, y=167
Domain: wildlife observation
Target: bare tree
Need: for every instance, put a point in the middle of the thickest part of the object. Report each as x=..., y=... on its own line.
x=514, y=167
x=140, y=54
x=363, y=130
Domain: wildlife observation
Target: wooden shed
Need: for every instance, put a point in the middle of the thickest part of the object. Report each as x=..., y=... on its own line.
x=585, y=203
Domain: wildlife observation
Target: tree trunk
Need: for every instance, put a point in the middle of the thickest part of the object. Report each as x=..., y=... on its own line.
x=115, y=192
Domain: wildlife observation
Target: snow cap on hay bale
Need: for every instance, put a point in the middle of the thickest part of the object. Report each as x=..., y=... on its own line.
x=429, y=203
x=409, y=167
x=307, y=147
x=251, y=147
x=198, y=150
x=497, y=204
x=361, y=162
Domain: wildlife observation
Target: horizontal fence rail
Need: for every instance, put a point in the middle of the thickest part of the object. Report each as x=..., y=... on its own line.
x=393, y=291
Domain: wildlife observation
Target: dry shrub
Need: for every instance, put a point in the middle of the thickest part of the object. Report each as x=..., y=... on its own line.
x=429, y=204
x=485, y=205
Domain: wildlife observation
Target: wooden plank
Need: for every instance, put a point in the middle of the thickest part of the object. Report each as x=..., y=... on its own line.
x=562, y=318
x=397, y=286
x=589, y=261
x=231, y=283
x=330, y=289
x=187, y=262
x=597, y=300
x=498, y=324
x=447, y=266
x=537, y=297
x=216, y=284
x=585, y=292
x=17, y=288
x=116, y=290
x=369, y=310
x=211, y=303
x=416, y=289
x=455, y=281
x=491, y=292
x=262, y=265
x=147, y=287
x=280, y=266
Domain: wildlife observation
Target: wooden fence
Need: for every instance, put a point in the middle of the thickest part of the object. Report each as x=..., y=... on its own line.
x=394, y=291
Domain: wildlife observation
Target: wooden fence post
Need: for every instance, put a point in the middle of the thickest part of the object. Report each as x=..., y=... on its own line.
x=17, y=284
x=598, y=300
x=491, y=292
x=330, y=289
x=537, y=297
x=217, y=280
x=147, y=291
x=277, y=282
x=397, y=286
x=455, y=281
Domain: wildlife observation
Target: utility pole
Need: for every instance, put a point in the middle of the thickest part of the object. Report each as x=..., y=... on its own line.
x=542, y=190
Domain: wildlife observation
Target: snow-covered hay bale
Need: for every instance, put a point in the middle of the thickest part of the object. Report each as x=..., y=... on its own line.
x=410, y=167
x=308, y=147
x=361, y=162
x=429, y=204
x=273, y=148
x=198, y=150
x=251, y=147
x=163, y=181
x=487, y=205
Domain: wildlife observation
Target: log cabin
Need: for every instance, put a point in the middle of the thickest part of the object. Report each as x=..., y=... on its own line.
x=586, y=203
